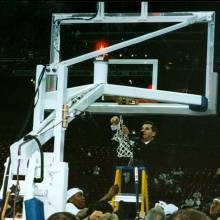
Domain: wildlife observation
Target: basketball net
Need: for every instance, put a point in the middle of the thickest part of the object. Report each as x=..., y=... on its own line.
x=125, y=147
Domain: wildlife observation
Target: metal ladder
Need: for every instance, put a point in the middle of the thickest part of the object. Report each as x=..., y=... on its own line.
x=143, y=197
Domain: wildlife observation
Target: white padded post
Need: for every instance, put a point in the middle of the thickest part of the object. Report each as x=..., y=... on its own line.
x=100, y=71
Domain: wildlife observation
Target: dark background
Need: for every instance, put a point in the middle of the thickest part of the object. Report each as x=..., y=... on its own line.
x=187, y=141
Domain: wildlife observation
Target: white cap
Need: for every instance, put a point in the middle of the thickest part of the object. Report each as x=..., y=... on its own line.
x=71, y=192
x=216, y=199
x=168, y=208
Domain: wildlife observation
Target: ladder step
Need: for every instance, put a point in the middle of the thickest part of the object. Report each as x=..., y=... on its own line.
x=127, y=197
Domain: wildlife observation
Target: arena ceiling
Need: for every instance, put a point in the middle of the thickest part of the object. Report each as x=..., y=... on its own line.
x=25, y=34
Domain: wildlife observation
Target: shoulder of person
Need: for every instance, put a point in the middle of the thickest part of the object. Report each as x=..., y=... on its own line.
x=109, y=216
x=154, y=146
x=156, y=143
x=71, y=208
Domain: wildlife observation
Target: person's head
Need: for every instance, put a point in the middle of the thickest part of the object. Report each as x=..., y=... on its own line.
x=215, y=207
x=155, y=214
x=76, y=197
x=189, y=214
x=148, y=131
x=168, y=209
x=62, y=216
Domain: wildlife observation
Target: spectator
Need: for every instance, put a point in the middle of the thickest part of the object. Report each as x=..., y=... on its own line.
x=155, y=214
x=168, y=209
x=62, y=216
x=215, y=208
x=189, y=214
x=75, y=200
x=68, y=216
x=76, y=203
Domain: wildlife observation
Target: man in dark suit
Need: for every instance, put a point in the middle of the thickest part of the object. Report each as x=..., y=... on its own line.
x=146, y=148
x=145, y=151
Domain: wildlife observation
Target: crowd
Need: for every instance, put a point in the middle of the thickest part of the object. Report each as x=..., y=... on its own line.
x=102, y=210
x=187, y=192
x=192, y=191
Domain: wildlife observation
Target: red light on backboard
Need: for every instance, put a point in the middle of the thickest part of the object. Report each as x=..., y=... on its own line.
x=150, y=86
x=100, y=45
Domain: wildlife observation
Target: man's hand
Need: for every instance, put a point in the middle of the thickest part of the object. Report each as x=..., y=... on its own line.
x=125, y=130
x=96, y=215
x=111, y=193
x=114, y=120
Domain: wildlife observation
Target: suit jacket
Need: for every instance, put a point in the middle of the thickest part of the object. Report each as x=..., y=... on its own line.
x=147, y=154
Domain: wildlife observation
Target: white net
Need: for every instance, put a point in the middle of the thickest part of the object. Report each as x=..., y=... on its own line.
x=125, y=147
